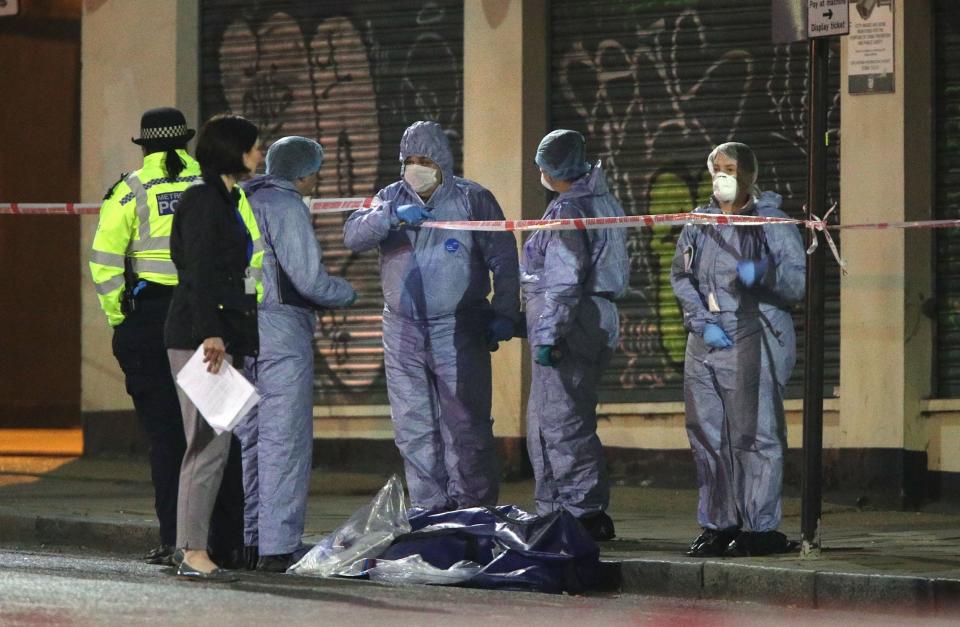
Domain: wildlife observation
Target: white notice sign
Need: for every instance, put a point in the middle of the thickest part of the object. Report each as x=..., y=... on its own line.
x=9, y=7
x=827, y=17
x=870, y=48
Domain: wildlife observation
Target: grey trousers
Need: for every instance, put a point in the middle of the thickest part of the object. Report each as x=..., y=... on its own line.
x=202, y=467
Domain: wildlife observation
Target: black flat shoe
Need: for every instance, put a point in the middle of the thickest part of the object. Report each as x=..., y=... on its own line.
x=159, y=555
x=275, y=563
x=756, y=543
x=599, y=526
x=712, y=542
x=186, y=571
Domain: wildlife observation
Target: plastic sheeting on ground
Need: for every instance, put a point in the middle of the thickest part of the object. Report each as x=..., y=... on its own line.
x=483, y=547
x=366, y=533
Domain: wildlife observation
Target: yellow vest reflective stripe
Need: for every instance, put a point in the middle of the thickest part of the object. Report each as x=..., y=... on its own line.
x=106, y=259
x=135, y=224
x=150, y=243
x=255, y=269
x=144, y=267
x=107, y=290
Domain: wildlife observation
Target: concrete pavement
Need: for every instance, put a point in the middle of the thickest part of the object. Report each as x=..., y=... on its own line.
x=877, y=559
x=59, y=588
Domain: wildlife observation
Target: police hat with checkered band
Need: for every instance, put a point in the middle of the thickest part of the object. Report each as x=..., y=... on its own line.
x=163, y=125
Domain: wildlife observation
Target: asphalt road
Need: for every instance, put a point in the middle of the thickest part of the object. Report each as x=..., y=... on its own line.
x=43, y=588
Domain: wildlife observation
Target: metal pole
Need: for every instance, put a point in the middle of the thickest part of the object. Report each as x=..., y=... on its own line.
x=811, y=487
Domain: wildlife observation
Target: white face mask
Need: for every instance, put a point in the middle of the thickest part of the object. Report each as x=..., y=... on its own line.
x=420, y=177
x=545, y=182
x=724, y=187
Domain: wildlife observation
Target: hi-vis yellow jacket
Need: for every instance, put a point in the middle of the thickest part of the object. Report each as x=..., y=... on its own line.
x=134, y=228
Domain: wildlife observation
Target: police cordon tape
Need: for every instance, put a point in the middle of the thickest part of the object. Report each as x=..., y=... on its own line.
x=651, y=220
x=48, y=209
x=322, y=206
x=342, y=205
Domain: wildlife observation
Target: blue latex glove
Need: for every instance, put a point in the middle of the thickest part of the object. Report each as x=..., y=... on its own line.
x=751, y=271
x=414, y=215
x=715, y=337
x=547, y=355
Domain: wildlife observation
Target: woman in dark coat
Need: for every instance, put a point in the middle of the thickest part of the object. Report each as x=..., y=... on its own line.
x=215, y=245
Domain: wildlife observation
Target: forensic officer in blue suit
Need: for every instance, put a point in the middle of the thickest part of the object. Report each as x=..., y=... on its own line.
x=277, y=438
x=735, y=286
x=438, y=324
x=570, y=281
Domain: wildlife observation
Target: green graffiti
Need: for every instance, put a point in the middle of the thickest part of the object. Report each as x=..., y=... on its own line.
x=669, y=193
x=704, y=189
x=949, y=317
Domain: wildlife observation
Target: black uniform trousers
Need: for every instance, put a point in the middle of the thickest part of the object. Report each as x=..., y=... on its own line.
x=139, y=348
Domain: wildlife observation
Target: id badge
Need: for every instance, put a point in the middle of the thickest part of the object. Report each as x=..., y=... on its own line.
x=249, y=285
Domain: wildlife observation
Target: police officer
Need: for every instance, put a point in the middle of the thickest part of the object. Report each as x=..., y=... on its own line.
x=134, y=278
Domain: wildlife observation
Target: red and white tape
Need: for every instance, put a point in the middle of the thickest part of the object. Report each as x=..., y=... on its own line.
x=49, y=209
x=320, y=206
x=343, y=205
x=340, y=205
x=583, y=224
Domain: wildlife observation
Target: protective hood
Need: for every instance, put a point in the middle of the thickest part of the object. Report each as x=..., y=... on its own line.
x=593, y=183
x=428, y=139
x=267, y=181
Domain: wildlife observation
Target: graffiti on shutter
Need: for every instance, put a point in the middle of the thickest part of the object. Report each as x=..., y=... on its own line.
x=654, y=85
x=351, y=74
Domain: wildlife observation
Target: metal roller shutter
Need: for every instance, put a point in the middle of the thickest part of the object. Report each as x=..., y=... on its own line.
x=654, y=85
x=351, y=74
x=948, y=196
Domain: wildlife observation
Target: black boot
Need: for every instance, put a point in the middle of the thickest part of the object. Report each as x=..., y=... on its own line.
x=230, y=559
x=712, y=542
x=598, y=525
x=754, y=543
x=275, y=563
x=251, y=555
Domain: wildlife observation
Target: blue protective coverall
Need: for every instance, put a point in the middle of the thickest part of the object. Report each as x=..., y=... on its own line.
x=734, y=396
x=277, y=438
x=570, y=280
x=435, y=287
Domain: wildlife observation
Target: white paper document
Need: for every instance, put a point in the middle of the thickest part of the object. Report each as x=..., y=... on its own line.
x=223, y=399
